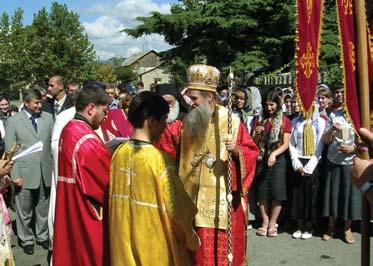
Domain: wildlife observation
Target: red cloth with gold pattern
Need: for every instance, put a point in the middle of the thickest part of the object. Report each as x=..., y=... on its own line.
x=83, y=168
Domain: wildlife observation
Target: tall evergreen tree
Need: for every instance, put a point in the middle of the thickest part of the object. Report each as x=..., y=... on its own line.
x=59, y=45
x=54, y=44
x=4, y=49
x=245, y=34
x=330, y=53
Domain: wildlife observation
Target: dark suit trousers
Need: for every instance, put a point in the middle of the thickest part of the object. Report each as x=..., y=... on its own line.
x=29, y=202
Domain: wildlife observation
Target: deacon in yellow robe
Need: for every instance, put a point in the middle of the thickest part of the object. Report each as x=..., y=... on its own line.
x=151, y=215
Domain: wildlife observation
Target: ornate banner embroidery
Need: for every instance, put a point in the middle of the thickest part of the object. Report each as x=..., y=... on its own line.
x=309, y=17
x=307, y=61
x=347, y=6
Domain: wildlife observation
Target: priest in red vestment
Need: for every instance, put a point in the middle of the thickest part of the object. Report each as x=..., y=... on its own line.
x=203, y=169
x=170, y=139
x=83, y=169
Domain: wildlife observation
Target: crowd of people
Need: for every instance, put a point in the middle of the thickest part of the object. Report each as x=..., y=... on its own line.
x=140, y=178
x=304, y=163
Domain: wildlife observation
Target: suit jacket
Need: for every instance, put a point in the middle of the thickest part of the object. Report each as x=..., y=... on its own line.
x=36, y=166
x=48, y=106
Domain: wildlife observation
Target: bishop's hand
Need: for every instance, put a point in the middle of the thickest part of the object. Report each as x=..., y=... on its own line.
x=231, y=146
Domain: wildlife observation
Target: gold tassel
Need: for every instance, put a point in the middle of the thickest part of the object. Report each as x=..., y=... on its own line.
x=308, y=135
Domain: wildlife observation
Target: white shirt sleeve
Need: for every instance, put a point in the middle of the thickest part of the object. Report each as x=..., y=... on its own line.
x=295, y=162
x=2, y=129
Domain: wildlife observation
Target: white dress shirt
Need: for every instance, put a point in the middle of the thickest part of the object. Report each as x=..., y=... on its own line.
x=296, y=143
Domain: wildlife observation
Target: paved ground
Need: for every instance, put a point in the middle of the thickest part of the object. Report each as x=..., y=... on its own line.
x=282, y=250
x=21, y=259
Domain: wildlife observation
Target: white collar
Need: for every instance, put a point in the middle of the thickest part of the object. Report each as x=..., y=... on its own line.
x=62, y=101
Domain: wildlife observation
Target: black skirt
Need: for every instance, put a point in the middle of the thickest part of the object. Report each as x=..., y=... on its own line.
x=304, y=195
x=340, y=198
x=270, y=183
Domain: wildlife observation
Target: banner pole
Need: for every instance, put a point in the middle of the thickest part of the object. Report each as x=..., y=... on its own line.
x=363, y=89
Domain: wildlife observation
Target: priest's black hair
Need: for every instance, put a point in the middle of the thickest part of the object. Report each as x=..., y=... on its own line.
x=145, y=105
x=90, y=94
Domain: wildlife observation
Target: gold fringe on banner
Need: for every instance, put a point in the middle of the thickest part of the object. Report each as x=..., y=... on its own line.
x=345, y=108
x=308, y=134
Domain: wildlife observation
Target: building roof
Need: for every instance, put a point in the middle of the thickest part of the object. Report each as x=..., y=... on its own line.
x=134, y=58
x=150, y=69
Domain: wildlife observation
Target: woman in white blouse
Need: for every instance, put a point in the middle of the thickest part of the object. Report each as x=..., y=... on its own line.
x=304, y=159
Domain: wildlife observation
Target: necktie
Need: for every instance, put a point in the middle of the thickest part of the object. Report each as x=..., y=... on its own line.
x=33, y=122
x=56, y=108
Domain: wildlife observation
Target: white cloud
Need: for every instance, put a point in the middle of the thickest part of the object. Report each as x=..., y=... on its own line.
x=103, y=27
x=103, y=55
x=132, y=51
x=104, y=32
x=129, y=10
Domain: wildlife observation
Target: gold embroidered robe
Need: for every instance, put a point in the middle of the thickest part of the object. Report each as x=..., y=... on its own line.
x=150, y=213
x=205, y=186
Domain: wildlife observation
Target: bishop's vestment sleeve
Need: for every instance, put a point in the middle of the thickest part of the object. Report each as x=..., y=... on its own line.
x=179, y=207
x=170, y=140
x=93, y=166
x=245, y=165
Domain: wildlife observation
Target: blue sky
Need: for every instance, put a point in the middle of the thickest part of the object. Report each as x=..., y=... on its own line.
x=103, y=21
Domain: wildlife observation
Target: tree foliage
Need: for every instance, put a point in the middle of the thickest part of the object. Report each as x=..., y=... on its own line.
x=126, y=74
x=103, y=72
x=243, y=34
x=239, y=33
x=330, y=53
x=54, y=44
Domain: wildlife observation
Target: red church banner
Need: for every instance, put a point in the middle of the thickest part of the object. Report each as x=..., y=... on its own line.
x=345, y=11
x=309, y=17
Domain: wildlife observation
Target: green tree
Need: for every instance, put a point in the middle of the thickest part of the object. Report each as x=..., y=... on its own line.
x=4, y=50
x=59, y=45
x=54, y=43
x=103, y=73
x=126, y=74
x=12, y=48
x=330, y=53
x=116, y=61
x=239, y=33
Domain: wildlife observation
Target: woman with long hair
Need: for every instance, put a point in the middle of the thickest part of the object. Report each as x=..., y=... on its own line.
x=271, y=134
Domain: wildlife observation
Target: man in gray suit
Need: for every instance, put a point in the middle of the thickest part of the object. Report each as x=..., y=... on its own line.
x=35, y=170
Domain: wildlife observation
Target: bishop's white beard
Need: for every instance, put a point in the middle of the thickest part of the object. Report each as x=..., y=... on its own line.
x=174, y=113
x=195, y=124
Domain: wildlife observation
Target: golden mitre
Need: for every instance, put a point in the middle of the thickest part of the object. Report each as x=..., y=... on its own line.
x=203, y=78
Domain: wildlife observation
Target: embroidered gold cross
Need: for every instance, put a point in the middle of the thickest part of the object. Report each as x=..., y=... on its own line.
x=307, y=61
x=348, y=7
